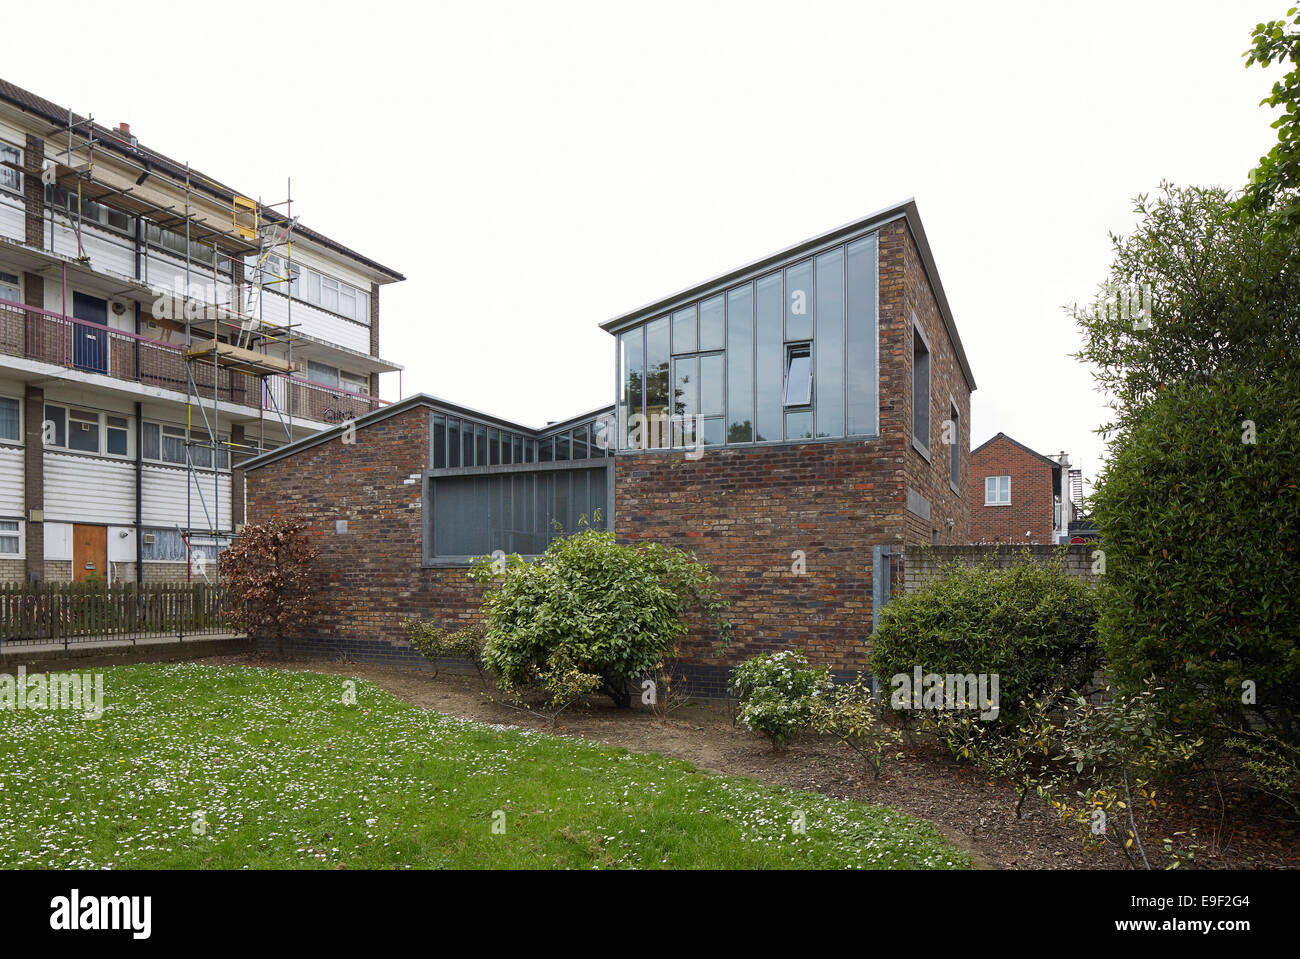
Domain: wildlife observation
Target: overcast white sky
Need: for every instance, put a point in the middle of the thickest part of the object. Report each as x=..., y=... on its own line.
x=535, y=169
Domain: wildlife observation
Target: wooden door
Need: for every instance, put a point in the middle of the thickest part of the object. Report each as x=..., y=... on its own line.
x=89, y=553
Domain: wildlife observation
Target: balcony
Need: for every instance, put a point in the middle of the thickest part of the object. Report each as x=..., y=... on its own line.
x=65, y=341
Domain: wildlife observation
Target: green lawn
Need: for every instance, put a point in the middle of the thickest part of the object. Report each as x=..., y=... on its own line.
x=286, y=775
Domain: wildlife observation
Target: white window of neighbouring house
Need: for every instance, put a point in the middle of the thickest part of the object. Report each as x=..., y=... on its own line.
x=920, y=391
x=11, y=179
x=997, y=490
x=10, y=541
x=11, y=427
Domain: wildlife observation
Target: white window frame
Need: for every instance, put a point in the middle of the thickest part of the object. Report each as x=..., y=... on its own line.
x=17, y=440
x=6, y=147
x=175, y=432
x=12, y=529
x=997, y=491
x=11, y=289
x=102, y=425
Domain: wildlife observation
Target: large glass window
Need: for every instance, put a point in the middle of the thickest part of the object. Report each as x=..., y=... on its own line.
x=713, y=334
x=798, y=301
x=631, y=387
x=920, y=392
x=861, y=336
x=740, y=365
x=798, y=357
x=829, y=378
x=517, y=512
x=770, y=357
x=657, y=366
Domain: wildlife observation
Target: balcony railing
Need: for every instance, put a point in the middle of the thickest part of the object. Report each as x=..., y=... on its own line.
x=37, y=334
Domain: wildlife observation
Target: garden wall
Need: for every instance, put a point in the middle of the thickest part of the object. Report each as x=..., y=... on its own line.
x=922, y=564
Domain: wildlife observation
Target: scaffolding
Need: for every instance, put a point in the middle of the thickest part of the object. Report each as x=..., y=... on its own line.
x=235, y=338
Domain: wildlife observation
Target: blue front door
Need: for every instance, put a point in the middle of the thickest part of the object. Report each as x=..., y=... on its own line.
x=90, y=345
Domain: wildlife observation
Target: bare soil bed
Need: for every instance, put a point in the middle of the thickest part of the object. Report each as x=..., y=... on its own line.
x=975, y=812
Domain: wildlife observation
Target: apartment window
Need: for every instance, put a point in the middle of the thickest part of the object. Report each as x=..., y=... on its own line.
x=323, y=374
x=10, y=288
x=997, y=491
x=11, y=179
x=166, y=444
x=168, y=546
x=954, y=450
x=175, y=242
x=11, y=428
x=117, y=434
x=83, y=431
x=354, y=382
x=347, y=301
x=10, y=538
x=798, y=375
x=329, y=296
x=920, y=391
x=92, y=211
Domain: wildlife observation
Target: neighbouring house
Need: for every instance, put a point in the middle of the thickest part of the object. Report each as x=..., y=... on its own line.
x=1019, y=496
x=781, y=421
x=156, y=328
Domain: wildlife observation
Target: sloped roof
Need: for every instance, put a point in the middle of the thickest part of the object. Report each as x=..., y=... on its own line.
x=55, y=114
x=1004, y=436
x=905, y=210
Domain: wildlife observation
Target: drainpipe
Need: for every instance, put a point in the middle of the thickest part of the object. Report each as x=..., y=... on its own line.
x=139, y=490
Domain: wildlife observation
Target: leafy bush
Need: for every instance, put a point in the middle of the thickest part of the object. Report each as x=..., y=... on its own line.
x=267, y=579
x=436, y=643
x=1273, y=763
x=777, y=692
x=1097, y=763
x=1122, y=748
x=850, y=715
x=615, y=611
x=1199, y=527
x=1033, y=625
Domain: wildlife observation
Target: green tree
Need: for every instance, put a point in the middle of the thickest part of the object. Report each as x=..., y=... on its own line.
x=1275, y=184
x=1200, y=290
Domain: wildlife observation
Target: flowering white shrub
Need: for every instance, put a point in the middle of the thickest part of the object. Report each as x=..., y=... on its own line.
x=777, y=693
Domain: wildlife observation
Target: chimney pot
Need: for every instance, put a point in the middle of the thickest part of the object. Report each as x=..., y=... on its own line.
x=125, y=128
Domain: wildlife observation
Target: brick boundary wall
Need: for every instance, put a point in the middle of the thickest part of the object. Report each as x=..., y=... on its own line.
x=921, y=565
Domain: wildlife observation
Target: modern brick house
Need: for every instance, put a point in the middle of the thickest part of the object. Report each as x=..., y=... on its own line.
x=780, y=421
x=106, y=248
x=1018, y=496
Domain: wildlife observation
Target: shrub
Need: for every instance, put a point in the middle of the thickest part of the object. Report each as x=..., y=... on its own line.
x=615, y=611
x=266, y=578
x=436, y=643
x=776, y=694
x=1032, y=625
x=1122, y=748
x=1199, y=527
x=850, y=715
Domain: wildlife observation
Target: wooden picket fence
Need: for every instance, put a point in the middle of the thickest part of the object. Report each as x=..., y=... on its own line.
x=67, y=613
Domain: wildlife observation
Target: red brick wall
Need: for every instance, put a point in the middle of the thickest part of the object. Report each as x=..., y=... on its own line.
x=370, y=577
x=905, y=294
x=1031, y=495
x=743, y=511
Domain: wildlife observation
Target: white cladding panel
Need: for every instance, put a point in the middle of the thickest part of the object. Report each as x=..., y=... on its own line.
x=87, y=489
x=315, y=322
x=164, y=498
x=11, y=482
x=12, y=218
